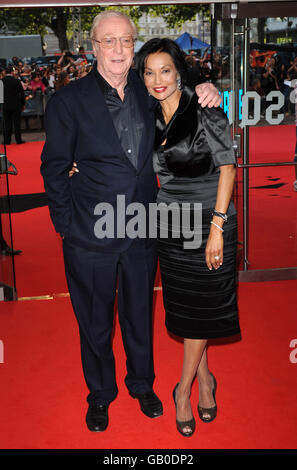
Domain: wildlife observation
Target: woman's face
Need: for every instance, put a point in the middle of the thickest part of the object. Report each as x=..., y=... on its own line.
x=160, y=76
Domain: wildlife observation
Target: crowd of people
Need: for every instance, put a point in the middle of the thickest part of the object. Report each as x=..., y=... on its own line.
x=38, y=83
x=51, y=77
x=266, y=73
x=273, y=74
x=269, y=71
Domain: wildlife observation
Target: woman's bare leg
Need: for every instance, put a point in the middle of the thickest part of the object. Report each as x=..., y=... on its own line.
x=193, y=352
x=206, y=384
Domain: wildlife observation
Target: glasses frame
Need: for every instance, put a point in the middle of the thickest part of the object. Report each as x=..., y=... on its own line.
x=114, y=43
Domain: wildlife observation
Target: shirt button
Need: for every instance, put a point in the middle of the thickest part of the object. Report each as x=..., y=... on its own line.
x=129, y=150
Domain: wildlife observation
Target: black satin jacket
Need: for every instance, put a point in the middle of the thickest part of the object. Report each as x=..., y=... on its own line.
x=198, y=141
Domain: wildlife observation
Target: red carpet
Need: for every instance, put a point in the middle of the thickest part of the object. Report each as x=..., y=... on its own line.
x=273, y=202
x=27, y=160
x=42, y=391
x=37, y=272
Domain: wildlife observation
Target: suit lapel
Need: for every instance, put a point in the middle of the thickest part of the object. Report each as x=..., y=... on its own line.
x=100, y=111
x=141, y=97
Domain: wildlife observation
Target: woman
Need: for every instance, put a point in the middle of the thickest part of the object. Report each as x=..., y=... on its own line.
x=194, y=161
x=37, y=83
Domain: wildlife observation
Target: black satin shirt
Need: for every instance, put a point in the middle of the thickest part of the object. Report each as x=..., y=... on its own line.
x=198, y=140
x=126, y=116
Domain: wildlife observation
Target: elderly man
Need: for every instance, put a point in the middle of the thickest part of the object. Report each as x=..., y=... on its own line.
x=105, y=123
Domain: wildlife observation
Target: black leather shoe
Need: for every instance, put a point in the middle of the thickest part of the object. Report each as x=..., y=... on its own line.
x=97, y=417
x=150, y=404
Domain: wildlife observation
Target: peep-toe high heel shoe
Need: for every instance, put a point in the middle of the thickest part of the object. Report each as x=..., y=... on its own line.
x=212, y=412
x=181, y=425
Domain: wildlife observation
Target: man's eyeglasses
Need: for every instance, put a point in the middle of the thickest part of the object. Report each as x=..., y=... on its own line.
x=109, y=43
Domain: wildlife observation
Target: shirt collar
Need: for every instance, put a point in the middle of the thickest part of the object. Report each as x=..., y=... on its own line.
x=105, y=87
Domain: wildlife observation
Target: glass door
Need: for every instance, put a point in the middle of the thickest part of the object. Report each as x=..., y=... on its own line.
x=257, y=78
x=7, y=271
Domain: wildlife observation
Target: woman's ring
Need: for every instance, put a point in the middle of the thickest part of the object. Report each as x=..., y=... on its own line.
x=217, y=257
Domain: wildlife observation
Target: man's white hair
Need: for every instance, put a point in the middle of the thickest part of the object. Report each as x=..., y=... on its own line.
x=111, y=14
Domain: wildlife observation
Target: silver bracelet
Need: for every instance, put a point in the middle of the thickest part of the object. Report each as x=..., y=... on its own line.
x=220, y=214
x=220, y=228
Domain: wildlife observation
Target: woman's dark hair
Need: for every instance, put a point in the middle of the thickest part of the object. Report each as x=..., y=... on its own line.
x=162, y=45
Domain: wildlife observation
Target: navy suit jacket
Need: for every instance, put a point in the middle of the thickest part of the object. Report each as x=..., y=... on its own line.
x=79, y=128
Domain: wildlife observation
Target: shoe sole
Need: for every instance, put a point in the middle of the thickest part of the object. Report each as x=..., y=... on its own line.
x=152, y=416
x=97, y=430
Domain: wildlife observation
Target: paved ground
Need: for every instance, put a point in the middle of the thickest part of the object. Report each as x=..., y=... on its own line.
x=33, y=136
x=35, y=132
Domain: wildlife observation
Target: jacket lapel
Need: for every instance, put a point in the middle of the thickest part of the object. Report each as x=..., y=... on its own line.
x=96, y=103
x=147, y=113
x=162, y=129
x=99, y=109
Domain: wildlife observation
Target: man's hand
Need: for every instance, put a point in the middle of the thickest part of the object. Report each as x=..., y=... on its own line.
x=208, y=95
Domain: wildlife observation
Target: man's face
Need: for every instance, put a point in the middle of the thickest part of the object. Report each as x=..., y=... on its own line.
x=113, y=63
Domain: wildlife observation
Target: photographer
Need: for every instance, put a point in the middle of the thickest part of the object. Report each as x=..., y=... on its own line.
x=14, y=103
x=65, y=60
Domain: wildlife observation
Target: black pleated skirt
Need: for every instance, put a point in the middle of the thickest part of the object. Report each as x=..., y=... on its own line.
x=199, y=303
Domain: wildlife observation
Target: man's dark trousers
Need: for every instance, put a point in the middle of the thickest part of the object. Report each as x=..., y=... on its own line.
x=93, y=279
x=12, y=120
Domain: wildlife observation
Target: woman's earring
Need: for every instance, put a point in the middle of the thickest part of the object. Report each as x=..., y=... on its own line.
x=178, y=83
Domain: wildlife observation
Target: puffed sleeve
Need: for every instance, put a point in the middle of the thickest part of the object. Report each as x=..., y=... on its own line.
x=218, y=135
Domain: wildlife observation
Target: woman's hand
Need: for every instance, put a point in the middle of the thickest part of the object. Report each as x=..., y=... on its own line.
x=214, y=248
x=215, y=242
x=73, y=170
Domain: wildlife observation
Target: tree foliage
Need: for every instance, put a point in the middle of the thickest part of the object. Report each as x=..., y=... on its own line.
x=59, y=19
x=36, y=21
x=176, y=15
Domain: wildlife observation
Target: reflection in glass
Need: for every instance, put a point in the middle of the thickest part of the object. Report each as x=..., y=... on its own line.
x=263, y=119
